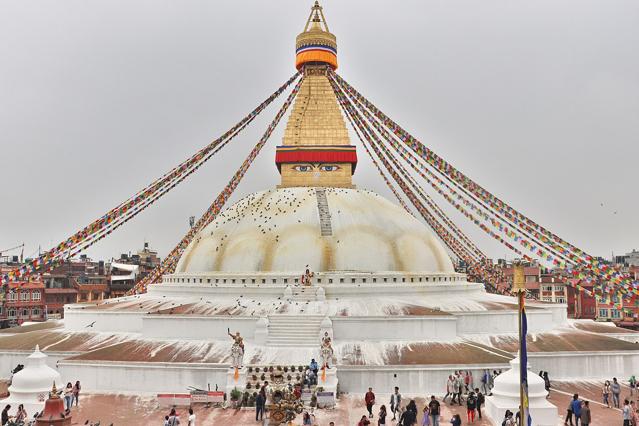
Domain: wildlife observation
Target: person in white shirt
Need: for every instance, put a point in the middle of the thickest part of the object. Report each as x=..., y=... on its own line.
x=191, y=418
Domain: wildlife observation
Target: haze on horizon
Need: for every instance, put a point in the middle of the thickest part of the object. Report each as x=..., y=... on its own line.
x=536, y=101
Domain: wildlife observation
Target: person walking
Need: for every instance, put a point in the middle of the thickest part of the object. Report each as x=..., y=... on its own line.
x=456, y=420
x=409, y=416
x=616, y=391
x=632, y=382
x=21, y=415
x=484, y=381
x=585, y=414
x=471, y=404
x=568, y=419
x=191, y=420
x=68, y=396
x=174, y=419
x=363, y=421
x=480, y=401
x=395, y=402
x=5, y=415
x=259, y=406
x=381, y=417
x=434, y=408
x=306, y=419
x=76, y=392
x=634, y=418
x=626, y=414
x=575, y=406
x=459, y=388
x=369, y=399
x=546, y=383
x=508, y=419
x=449, y=388
x=605, y=392
x=426, y=416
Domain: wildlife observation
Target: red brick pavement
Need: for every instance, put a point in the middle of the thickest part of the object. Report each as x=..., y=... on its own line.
x=135, y=410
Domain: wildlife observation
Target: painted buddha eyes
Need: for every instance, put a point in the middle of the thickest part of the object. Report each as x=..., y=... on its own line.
x=304, y=168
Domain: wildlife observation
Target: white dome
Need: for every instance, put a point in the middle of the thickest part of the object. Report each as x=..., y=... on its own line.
x=280, y=230
x=36, y=377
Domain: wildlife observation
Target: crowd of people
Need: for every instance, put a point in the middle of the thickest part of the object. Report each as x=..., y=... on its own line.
x=404, y=415
x=173, y=418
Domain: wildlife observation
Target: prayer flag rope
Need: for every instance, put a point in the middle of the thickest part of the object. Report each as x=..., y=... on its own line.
x=131, y=207
x=548, y=240
x=170, y=261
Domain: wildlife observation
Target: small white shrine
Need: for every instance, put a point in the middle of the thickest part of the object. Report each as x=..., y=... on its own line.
x=31, y=385
x=505, y=396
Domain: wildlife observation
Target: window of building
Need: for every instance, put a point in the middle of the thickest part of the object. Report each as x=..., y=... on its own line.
x=36, y=295
x=547, y=288
x=24, y=295
x=561, y=300
x=531, y=278
x=12, y=296
x=25, y=312
x=35, y=312
x=353, y=280
x=603, y=313
x=253, y=281
x=13, y=313
x=341, y=280
x=616, y=313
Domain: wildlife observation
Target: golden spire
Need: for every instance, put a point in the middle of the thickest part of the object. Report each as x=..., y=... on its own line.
x=54, y=392
x=316, y=149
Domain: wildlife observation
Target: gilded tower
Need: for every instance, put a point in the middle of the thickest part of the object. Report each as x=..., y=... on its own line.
x=316, y=149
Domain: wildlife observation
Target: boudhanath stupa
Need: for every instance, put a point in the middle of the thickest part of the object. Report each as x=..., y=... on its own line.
x=380, y=284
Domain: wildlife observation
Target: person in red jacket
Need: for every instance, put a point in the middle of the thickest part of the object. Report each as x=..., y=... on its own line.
x=369, y=399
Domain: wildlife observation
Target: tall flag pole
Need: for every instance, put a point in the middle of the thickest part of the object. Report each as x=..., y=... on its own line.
x=519, y=287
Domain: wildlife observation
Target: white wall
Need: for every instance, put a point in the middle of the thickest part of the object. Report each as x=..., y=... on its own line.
x=108, y=321
x=586, y=365
x=409, y=328
x=198, y=328
x=498, y=322
x=143, y=378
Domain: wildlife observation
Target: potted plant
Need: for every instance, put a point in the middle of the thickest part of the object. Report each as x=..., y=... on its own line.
x=236, y=394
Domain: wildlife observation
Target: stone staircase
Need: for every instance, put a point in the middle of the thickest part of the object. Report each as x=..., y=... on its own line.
x=304, y=294
x=326, y=229
x=294, y=330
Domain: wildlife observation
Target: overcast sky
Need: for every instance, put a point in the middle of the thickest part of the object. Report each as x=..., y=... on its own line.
x=537, y=101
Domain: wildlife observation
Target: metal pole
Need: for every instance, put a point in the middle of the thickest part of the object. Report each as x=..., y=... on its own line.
x=519, y=287
x=520, y=299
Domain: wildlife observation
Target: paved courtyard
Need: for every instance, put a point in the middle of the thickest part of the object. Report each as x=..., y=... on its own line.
x=138, y=410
